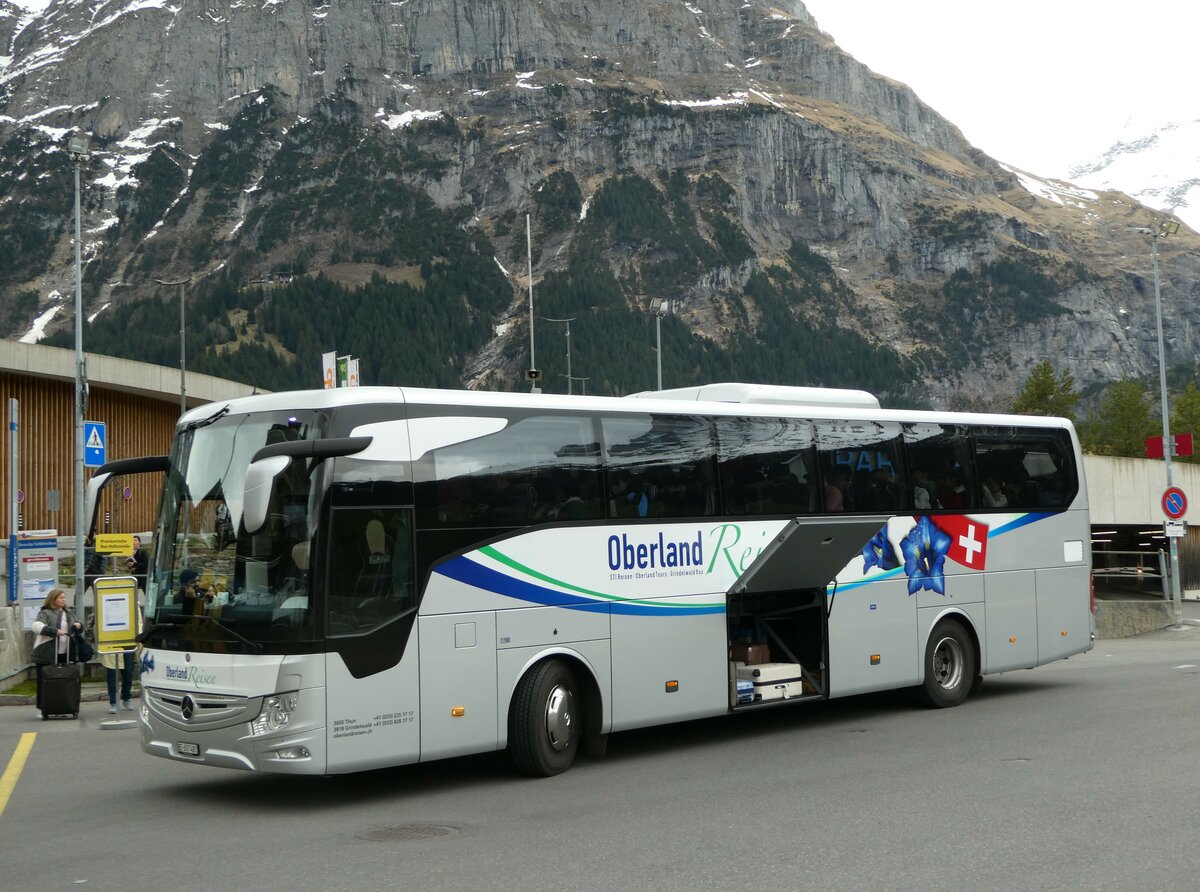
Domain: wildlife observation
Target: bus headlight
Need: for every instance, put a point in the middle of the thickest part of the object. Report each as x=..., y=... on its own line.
x=276, y=713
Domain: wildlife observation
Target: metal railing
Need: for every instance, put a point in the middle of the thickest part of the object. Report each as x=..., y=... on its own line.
x=1142, y=570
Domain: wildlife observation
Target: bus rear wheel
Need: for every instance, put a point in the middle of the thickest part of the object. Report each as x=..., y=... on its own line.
x=545, y=721
x=950, y=665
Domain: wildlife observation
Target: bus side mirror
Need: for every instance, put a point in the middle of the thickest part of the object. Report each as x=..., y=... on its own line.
x=270, y=461
x=260, y=481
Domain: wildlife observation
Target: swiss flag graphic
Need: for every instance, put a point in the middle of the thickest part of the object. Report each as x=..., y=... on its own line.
x=968, y=539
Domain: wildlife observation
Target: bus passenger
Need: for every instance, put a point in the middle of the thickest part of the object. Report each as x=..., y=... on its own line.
x=833, y=498
x=190, y=597
x=921, y=485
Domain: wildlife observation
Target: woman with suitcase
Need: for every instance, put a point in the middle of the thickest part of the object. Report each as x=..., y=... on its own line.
x=53, y=630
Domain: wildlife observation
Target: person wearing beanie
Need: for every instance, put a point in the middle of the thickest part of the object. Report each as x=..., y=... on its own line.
x=190, y=598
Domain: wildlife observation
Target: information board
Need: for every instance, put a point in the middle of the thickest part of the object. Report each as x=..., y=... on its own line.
x=37, y=571
x=116, y=614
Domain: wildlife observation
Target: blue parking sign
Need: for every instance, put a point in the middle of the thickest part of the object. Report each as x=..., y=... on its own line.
x=94, y=441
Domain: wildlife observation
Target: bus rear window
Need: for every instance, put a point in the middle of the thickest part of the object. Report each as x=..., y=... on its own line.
x=1024, y=469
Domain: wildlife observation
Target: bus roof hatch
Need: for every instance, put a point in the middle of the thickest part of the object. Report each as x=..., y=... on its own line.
x=768, y=394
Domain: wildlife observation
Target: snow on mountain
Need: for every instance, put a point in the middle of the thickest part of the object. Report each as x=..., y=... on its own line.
x=1157, y=165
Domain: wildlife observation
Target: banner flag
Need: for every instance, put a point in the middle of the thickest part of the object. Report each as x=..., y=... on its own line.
x=343, y=371
x=354, y=380
x=327, y=360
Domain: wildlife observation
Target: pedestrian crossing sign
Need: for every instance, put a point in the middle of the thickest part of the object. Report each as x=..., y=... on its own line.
x=94, y=441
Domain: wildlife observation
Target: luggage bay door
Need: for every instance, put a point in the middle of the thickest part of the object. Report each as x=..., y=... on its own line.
x=777, y=609
x=808, y=553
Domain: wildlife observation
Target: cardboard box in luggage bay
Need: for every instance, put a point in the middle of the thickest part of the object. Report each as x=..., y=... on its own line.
x=775, y=681
x=750, y=654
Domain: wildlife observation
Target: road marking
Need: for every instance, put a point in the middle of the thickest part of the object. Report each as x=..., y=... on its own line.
x=15, y=764
x=1187, y=666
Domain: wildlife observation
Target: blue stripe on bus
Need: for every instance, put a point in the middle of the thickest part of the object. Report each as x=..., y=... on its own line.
x=1023, y=520
x=472, y=573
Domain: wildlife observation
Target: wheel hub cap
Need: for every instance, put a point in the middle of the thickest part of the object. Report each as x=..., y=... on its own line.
x=560, y=706
x=948, y=663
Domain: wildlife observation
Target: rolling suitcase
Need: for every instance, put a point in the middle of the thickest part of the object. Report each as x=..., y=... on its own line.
x=773, y=681
x=60, y=689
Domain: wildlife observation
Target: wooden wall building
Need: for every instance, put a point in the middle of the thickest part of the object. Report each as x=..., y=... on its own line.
x=139, y=405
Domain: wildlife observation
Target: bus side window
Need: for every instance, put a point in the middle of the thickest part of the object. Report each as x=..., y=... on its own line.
x=370, y=568
x=945, y=467
x=767, y=466
x=517, y=475
x=660, y=466
x=862, y=462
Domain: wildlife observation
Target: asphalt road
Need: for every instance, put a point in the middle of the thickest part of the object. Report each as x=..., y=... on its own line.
x=1079, y=775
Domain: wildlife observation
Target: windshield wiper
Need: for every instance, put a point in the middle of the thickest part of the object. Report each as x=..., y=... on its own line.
x=205, y=422
x=175, y=622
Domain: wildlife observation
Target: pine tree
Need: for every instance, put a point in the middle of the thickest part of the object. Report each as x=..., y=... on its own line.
x=1044, y=393
x=1123, y=422
x=1186, y=417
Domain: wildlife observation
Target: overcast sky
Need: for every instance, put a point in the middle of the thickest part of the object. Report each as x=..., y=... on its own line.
x=1039, y=84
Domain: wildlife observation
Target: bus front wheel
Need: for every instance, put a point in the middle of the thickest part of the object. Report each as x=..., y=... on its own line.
x=545, y=720
x=950, y=665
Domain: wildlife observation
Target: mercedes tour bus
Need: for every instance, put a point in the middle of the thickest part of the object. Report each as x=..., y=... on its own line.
x=364, y=577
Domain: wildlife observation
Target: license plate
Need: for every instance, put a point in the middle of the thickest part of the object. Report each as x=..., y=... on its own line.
x=188, y=749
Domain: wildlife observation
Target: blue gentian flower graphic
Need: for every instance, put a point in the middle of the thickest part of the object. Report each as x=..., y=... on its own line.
x=880, y=553
x=924, y=550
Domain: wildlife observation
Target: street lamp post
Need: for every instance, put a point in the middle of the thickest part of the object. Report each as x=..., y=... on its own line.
x=533, y=375
x=568, y=376
x=1164, y=229
x=79, y=151
x=182, y=341
x=659, y=307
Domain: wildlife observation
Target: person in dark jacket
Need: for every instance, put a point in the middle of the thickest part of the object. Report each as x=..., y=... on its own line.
x=190, y=598
x=139, y=563
x=94, y=562
x=52, y=631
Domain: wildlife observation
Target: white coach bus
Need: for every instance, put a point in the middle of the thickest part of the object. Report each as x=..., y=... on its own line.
x=349, y=579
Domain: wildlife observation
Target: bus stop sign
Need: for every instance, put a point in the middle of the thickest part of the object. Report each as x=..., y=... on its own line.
x=1174, y=503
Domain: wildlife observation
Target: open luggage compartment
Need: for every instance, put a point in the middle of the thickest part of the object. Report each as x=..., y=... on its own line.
x=778, y=624
x=776, y=646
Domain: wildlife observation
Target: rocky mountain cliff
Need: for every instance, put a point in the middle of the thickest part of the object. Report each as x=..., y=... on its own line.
x=355, y=175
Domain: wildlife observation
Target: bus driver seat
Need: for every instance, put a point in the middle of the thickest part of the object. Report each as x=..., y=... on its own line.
x=374, y=584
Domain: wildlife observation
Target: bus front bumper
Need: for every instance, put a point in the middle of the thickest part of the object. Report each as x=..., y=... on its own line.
x=299, y=748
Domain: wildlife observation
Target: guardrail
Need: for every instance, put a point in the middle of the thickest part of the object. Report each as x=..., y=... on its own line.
x=1137, y=570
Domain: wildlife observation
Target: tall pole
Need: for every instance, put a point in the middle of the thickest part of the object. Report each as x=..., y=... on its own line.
x=568, y=321
x=529, y=258
x=1168, y=443
x=659, y=306
x=182, y=353
x=14, y=485
x=182, y=340
x=80, y=385
x=658, y=345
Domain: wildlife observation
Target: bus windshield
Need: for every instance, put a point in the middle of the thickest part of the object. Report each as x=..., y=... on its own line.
x=215, y=586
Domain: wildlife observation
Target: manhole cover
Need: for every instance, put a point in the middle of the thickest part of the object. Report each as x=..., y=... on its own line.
x=406, y=832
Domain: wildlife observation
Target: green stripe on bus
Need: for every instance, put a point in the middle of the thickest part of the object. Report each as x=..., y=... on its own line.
x=491, y=552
